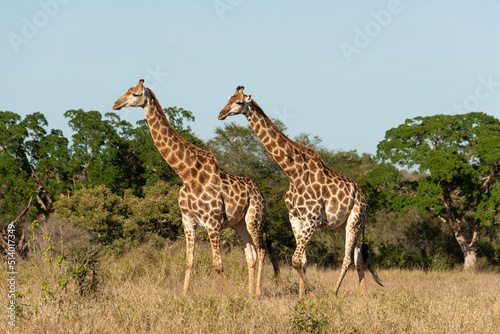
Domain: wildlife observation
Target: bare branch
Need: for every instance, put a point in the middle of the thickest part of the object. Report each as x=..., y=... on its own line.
x=18, y=218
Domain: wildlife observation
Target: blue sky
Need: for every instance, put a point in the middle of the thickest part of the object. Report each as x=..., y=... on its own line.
x=344, y=71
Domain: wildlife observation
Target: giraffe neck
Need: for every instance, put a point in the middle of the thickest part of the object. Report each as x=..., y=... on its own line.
x=292, y=157
x=181, y=155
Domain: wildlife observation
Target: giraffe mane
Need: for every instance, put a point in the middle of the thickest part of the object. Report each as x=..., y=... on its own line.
x=309, y=151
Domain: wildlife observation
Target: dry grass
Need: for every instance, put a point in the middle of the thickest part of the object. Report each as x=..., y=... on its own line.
x=141, y=292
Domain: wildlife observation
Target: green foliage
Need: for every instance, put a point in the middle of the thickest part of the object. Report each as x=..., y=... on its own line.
x=99, y=154
x=158, y=213
x=458, y=151
x=15, y=184
x=32, y=163
x=114, y=217
x=411, y=241
x=95, y=208
x=310, y=316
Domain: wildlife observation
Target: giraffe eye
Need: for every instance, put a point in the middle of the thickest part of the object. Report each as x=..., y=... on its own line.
x=136, y=94
x=239, y=102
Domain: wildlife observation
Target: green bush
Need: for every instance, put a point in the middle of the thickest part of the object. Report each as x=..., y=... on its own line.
x=95, y=208
x=309, y=317
x=131, y=218
x=157, y=213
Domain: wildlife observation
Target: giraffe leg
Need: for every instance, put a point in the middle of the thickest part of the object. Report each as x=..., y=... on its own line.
x=299, y=260
x=189, y=231
x=250, y=254
x=255, y=221
x=351, y=233
x=213, y=229
x=302, y=289
x=297, y=228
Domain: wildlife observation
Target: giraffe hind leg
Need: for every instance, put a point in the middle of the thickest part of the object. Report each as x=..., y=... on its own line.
x=359, y=262
x=250, y=254
x=352, y=232
x=255, y=222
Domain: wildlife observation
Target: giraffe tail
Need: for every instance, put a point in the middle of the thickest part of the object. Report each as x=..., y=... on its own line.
x=273, y=257
x=364, y=253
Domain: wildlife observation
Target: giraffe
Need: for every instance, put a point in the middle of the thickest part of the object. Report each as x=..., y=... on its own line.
x=209, y=196
x=317, y=197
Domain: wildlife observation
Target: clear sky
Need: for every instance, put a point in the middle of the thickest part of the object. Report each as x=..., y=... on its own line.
x=346, y=71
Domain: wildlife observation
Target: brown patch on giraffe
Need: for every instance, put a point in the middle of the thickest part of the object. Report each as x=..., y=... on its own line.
x=341, y=195
x=203, y=177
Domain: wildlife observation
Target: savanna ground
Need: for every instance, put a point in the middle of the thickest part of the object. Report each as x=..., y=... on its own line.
x=141, y=292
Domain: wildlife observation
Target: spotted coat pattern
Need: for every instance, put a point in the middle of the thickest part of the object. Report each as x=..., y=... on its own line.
x=209, y=196
x=317, y=198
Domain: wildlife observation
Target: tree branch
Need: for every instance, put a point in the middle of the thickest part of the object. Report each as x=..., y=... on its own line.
x=18, y=218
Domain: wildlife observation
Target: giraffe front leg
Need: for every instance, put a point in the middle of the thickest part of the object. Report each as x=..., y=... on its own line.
x=213, y=229
x=189, y=231
x=297, y=230
x=299, y=260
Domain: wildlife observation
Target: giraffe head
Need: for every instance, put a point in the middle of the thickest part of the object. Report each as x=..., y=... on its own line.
x=135, y=97
x=238, y=104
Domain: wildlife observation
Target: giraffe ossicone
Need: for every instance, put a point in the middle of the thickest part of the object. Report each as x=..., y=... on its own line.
x=209, y=196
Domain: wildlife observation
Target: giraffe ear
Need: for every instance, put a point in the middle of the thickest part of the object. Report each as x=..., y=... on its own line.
x=248, y=98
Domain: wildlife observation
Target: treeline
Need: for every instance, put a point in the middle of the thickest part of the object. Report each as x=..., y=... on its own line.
x=110, y=180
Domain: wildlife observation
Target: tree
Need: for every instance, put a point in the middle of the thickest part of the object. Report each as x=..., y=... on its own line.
x=95, y=148
x=103, y=151
x=32, y=163
x=47, y=156
x=459, y=156
x=15, y=184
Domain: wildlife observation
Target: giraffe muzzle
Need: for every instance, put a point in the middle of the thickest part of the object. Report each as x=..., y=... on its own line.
x=223, y=115
x=117, y=105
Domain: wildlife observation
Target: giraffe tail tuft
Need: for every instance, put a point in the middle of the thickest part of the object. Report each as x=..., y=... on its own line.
x=273, y=257
x=364, y=253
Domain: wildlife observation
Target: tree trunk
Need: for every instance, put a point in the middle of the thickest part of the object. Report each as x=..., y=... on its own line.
x=469, y=249
x=470, y=261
